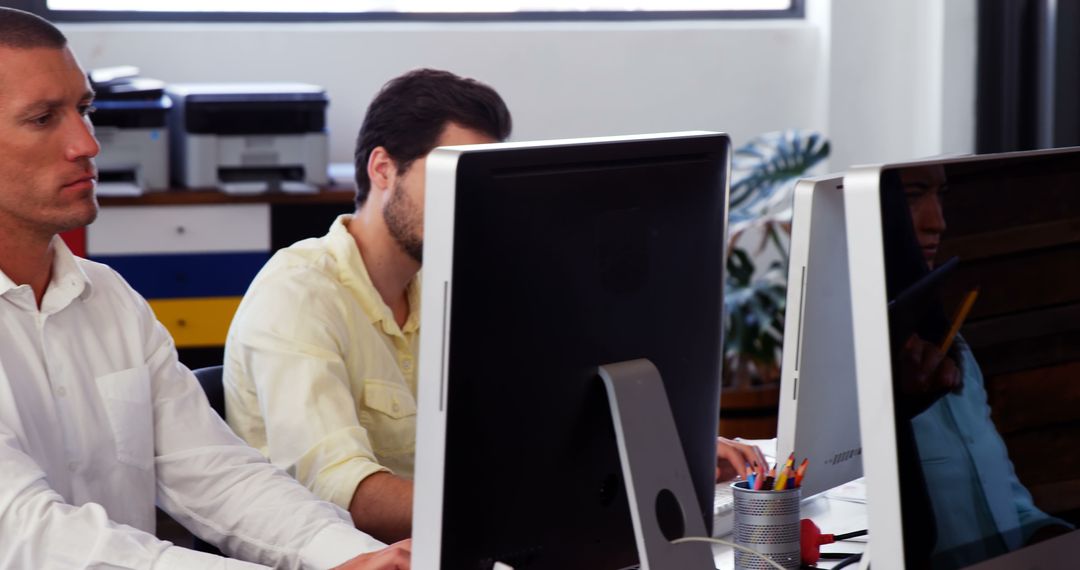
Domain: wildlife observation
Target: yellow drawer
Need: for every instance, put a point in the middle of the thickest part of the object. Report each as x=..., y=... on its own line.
x=193, y=322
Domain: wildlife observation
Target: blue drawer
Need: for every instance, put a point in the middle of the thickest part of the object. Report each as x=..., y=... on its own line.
x=171, y=276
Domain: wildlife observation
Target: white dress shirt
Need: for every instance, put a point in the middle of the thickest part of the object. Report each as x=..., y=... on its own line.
x=98, y=420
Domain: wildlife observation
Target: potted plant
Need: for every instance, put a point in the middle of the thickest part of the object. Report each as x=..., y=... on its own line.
x=764, y=172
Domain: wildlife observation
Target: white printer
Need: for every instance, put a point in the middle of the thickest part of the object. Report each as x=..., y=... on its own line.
x=247, y=138
x=130, y=124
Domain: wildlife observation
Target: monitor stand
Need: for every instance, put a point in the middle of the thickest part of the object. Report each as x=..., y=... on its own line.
x=658, y=484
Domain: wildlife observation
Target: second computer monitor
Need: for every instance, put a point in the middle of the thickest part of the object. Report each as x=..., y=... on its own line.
x=544, y=261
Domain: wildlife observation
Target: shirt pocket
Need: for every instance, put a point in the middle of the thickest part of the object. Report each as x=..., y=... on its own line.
x=126, y=395
x=391, y=417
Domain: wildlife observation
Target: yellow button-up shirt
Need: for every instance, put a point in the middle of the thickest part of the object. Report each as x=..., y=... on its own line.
x=318, y=375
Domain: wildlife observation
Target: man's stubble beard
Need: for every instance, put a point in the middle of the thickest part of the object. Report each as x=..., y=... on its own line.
x=404, y=223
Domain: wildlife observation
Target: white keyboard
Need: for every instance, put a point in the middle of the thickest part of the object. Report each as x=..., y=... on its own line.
x=723, y=510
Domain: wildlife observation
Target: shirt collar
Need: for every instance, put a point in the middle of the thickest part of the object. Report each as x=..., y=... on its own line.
x=6, y=284
x=354, y=275
x=67, y=283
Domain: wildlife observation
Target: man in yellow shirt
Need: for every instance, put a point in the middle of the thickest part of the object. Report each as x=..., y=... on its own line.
x=320, y=361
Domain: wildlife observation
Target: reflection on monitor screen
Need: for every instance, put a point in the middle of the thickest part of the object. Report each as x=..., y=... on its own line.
x=982, y=285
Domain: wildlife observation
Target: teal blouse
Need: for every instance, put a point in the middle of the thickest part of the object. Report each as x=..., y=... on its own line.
x=981, y=509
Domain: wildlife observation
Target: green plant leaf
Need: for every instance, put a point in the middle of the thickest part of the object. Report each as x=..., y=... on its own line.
x=764, y=172
x=765, y=167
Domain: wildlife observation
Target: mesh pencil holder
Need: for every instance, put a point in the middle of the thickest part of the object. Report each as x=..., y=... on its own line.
x=766, y=522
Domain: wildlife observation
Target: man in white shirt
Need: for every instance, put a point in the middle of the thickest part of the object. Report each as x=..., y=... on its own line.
x=98, y=420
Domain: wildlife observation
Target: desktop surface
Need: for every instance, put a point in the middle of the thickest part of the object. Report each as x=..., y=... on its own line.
x=837, y=510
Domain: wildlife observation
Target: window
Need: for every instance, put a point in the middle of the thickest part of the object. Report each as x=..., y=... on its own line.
x=290, y=10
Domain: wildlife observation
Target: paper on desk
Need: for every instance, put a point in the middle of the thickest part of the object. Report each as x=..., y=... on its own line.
x=242, y=188
x=341, y=173
x=852, y=492
x=118, y=189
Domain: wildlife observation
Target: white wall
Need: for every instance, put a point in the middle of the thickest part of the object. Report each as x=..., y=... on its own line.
x=902, y=79
x=885, y=80
x=559, y=79
x=958, y=89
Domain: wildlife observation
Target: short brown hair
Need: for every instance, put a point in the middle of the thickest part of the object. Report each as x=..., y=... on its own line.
x=23, y=30
x=411, y=111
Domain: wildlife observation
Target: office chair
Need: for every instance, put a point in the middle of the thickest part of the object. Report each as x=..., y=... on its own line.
x=210, y=379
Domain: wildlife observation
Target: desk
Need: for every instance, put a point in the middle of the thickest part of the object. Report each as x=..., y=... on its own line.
x=192, y=253
x=837, y=511
x=833, y=516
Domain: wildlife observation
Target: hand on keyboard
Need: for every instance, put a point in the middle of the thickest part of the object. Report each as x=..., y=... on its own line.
x=732, y=458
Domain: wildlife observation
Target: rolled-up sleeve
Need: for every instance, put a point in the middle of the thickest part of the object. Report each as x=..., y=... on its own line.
x=286, y=345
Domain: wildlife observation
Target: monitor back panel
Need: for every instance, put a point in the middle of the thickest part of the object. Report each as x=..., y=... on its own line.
x=564, y=258
x=819, y=417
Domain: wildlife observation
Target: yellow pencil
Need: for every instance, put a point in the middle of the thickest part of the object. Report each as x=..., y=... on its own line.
x=958, y=319
x=781, y=480
x=784, y=473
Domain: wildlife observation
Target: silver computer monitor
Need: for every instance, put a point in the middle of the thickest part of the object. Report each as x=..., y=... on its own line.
x=818, y=416
x=542, y=262
x=969, y=445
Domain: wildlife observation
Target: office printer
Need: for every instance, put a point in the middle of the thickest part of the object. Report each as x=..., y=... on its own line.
x=249, y=138
x=130, y=124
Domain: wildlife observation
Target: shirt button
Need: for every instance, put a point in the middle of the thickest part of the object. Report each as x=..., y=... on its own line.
x=406, y=363
x=61, y=391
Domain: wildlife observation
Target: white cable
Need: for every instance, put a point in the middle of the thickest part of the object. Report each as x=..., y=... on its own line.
x=731, y=544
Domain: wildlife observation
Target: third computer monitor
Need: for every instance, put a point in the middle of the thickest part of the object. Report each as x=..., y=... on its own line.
x=965, y=279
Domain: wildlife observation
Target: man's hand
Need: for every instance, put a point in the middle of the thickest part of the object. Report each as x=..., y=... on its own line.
x=732, y=458
x=926, y=375
x=393, y=557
